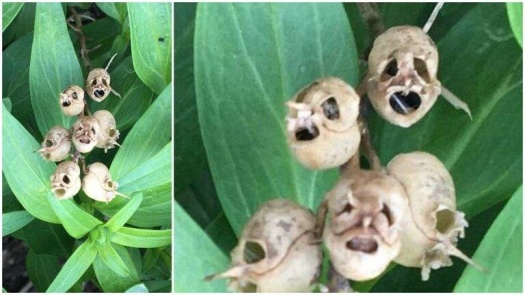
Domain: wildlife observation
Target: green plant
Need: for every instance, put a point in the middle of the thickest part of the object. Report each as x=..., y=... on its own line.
x=237, y=64
x=117, y=245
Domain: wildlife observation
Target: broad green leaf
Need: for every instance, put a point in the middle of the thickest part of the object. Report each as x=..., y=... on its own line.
x=54, y=66
x=9, y=201
x=6, y=101
x=25, y=21
x=112, y=261
x=41, y=269
x=191, y=241
x=46, y=238
x=9, y=12
x=150, y=28
x=484, y=156
x=151, y=256
x=74, y=268
x=162, y=286
x=25, y=171
x=190, y=156
x=515, y=14
x=501, y=252
x=136, y=97
x=148, y=136
x=221, y=232
x=139, y=288
x=249, y=60
x=117, y=11
x=14, y=221
x=76, y=221
x=141, y=238
x=99, y=33
x=136, y=257
x=123, y=215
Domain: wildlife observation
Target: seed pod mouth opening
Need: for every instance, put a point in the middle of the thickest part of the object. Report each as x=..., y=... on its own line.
x=112, y=132
x=60, y=192
x=330, y=109
x=445, y=220
x=85, y=140
x=405, y=104
x=99, y=93
x=66, y=103
x=49, y=143
x=253, y=252
x=362, y=244
x=306, y=134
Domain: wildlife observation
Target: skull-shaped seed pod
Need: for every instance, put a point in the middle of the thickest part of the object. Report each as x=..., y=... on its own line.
x=402, y=80
x=431, y=230
x=109, y=134
x=65, y=182
x=86, y=132
x=72, y=101
x=277, y=251
x=98, y=84
x=362, y=234
x=97, y=183
x=56, y=144
x=321, y=124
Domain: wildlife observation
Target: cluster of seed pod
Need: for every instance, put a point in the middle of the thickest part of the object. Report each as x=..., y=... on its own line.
x=89, y=131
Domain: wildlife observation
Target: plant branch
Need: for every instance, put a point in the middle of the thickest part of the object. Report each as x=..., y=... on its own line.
x=84, y=52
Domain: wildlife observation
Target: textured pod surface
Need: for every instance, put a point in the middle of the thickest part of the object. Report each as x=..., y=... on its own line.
x=402, y=81
x=107, y=138
x=365, y=211
x=98, y=84
x=85, y=134
x=432, y=228
x=71, y=101
x=321, y=124
x=276, y=252
x=97, y=183
x=56, y=144
x=65, y=182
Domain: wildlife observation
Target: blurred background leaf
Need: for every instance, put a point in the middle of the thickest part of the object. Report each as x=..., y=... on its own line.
x=515, y=13
x=9, y=12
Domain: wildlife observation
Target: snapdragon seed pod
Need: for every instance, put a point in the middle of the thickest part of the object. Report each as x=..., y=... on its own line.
x=56, y=145
x=65, y=182
x=109, y=134
x=98, y=185
x=71, y=101
x=86, y=132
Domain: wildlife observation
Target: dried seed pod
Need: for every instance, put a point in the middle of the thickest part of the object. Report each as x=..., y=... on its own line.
x=321, y=124
x=56, y=144
x=432, y=228
x=402, y=80
x=97, y=183
x=109, y=134
x=65, y=182
x=72, y=101
x=98, y=84
x=85, y=134
x=362, y=234
x=276, y=252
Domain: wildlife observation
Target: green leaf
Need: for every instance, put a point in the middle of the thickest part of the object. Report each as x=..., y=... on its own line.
x=139, y=288
x=150, y=27
x=117, y=11
x=41, y=269
x=148, y=136
x=74, y=268
x=484, y=70
x=191, y=156
x=46, y=238
x=25, y=171
x=54, y=66
x=123, y=215
x=6, y=101
x=76, y=221
x=162, y=286
x=9, y=201
x=136, y=97
x=141, y=238
x=515, y=13
x=151, y=256
x=9, y=12
x=249, y=60
x=190, y=242
x=14, y=221
x=501, y=252
x=111, y=259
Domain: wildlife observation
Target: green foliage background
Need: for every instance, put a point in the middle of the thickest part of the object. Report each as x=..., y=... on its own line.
x=236, y=65
x=124, y=244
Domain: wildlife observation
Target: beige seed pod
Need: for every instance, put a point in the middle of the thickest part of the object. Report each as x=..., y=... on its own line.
x=402, y=81
x=97, y=183
x=65, y=182
x=56, y=144
x=321, y=124
x=86, y=132
x=109, y=134
x=432, y=228
x=276, y=252
x=98, y=84
x=71, y=101
x=362, y=235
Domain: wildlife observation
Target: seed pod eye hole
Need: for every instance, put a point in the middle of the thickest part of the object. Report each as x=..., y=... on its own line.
x=65, y=179
x=306, y=134
x=330, y=109
x=405, y=103
x=444, y=220
x=105, y=82
x=93, y=130
x=390, y=70
x=74, y=95
x=347, y=209
x=421, y=68
x=49, y=143
x=388, y=214
x=253, y=252
x=94, y=82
